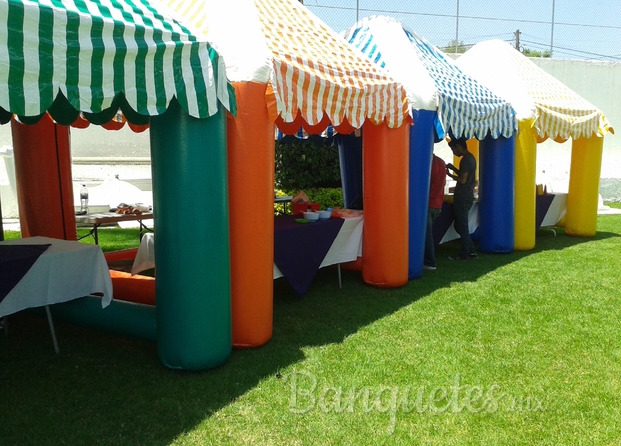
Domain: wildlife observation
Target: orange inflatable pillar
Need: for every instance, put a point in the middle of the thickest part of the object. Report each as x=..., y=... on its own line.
x=385, y=191
x=44, y=180
x=250, y=138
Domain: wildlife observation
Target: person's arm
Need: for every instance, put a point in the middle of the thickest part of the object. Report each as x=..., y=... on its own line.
x=461, y=178
x=458, y=176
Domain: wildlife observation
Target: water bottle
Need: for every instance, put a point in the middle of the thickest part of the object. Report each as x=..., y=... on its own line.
x=84, y=199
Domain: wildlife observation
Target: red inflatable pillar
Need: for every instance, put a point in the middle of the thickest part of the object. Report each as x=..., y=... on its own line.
x=44, y=180
x=385, y=190
x=250, y=141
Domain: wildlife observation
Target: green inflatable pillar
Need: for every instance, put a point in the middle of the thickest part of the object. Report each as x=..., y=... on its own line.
x=190, y=207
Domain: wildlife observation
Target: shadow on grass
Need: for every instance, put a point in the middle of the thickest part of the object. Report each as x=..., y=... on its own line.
x=108, y=389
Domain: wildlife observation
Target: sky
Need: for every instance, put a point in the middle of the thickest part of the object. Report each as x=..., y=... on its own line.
x=589, y=30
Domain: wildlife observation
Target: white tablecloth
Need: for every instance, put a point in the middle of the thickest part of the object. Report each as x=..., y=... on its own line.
x=66, y=270
x=145, y=257
x=347, y=246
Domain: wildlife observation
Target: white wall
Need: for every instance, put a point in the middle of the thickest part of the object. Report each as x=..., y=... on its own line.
x=599, y=83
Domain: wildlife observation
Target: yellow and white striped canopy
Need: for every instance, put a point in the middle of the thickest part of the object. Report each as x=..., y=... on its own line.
x=558, y=112
x=312, y=70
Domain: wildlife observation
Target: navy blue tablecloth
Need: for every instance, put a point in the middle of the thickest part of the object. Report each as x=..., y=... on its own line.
x=299, y=249
x=443, y=222
x=15, y=261
x=543, y=204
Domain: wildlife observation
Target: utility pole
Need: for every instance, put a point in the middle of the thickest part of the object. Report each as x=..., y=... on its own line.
x=457, y=30
x=552, y=31
x=517, y=39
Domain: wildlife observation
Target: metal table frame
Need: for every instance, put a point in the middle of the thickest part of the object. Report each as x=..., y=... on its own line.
x=102, y=218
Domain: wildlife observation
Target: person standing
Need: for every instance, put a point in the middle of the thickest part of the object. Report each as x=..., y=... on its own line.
x=436, y=198
x=464, y=195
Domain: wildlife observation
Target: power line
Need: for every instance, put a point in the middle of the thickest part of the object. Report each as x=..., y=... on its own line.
x=571, y=50
x=453, y=16
x=471, y=34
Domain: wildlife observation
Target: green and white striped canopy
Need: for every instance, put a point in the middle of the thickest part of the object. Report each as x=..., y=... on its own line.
x=99, y=56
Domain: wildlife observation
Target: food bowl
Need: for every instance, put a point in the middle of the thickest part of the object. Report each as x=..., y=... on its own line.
x=324, y=215
x=311, y=216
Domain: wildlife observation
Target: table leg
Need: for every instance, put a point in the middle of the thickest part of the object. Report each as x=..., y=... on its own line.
x=143, y=229
x=338, y=268
x=92, y=232
x=51, y=323
x=95, y=234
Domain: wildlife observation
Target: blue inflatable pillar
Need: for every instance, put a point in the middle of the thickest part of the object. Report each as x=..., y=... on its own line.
x=496, y=194
x=422, y=137
x=190, y=209
x=350, y=160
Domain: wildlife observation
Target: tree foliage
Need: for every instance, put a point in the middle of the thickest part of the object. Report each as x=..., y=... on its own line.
x=534, y=53
x=306, y=163
x=461, y=47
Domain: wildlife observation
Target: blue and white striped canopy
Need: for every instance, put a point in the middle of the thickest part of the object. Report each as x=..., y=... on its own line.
x=432, y=80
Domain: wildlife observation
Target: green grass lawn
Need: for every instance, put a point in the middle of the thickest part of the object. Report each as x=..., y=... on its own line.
x=512, y=349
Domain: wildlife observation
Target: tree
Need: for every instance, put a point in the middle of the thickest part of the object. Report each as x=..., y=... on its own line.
x=534, y=53
x=461, y=47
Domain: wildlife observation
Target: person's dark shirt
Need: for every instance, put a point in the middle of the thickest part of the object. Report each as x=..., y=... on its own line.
x=467, y=165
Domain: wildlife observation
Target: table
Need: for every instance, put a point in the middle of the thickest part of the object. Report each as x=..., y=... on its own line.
x=342, y=237
x=284, y=200
x=66, y=270
x=443, y=228
x=102, y=218
x=346, y=247
x=299, y=249
x=550, y=209
x=145, y=256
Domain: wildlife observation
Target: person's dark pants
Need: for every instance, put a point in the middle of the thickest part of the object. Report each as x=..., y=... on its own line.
x=430, y=249
x=461, y=207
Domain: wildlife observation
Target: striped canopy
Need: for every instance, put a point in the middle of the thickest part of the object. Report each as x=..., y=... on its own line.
x=311, y=69
x=559, y=112
x=432, y=79
x=96, y=56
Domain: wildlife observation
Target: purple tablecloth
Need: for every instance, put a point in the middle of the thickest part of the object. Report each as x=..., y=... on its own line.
x=15, y=261
x=299, y=249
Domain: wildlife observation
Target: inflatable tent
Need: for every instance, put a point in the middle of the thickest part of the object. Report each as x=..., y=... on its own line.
x=546, y=109
x=60, y=62
x=291, y=69
x=443, y=98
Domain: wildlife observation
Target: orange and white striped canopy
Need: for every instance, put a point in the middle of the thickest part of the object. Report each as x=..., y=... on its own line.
x=313, y=72
x=558, y=112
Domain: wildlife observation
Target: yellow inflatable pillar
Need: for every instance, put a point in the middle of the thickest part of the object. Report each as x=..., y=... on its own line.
x=582, y=198
x=385, y=163
x=525, y=193
x=473, y=147
x=250, y=141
